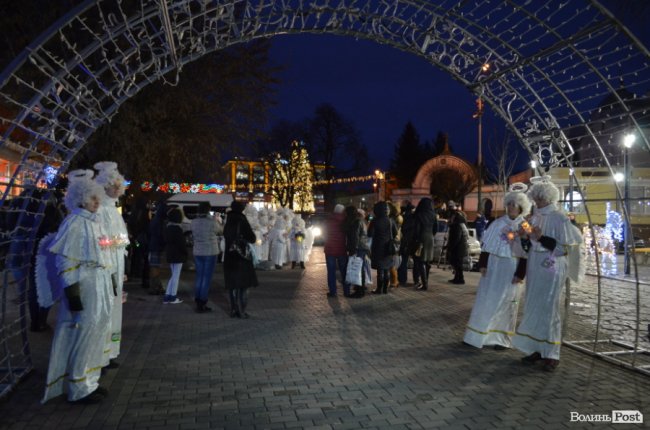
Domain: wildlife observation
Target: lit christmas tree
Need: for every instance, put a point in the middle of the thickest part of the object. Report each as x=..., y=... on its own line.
x=292, y=179
x=303, y=198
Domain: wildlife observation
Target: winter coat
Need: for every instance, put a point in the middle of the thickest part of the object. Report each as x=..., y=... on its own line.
x=457, y=239
x=175, y=246
x=356, y=237
x=425, y=227
x=383, y=231
x=238, y=272
x=205, y=233
x=335, y=236
x=157, y=229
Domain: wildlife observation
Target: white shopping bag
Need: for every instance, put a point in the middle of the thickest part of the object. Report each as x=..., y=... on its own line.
x=353, y=272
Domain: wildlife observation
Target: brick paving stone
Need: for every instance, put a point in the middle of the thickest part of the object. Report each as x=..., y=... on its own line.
x=306, y=361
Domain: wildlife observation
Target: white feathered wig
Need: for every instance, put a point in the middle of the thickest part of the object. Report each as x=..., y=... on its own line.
x=517, y=195
x=543, y=189
x=81, y=188
x=107, y=174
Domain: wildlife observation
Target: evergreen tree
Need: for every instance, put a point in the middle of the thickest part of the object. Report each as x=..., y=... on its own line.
x=439, y=144
x=408, y=157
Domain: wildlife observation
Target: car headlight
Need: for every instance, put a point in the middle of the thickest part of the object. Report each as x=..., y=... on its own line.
x=317, y=231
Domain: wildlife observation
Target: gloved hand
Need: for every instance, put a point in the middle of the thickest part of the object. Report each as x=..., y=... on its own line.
x=114, y=282
x=73, y=294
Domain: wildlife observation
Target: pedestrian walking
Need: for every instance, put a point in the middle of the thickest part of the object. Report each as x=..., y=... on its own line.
x=494, y=315
x=239, y=272
x=205, y=234
x=175, y=252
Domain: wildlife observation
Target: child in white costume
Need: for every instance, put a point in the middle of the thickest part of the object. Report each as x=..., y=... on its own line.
x=297, y=236
x=81, y=257
x=278, y=243
x=113, y=183
x=494, y=314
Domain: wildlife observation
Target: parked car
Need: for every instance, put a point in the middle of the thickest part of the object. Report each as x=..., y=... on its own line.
x=440, y=241
x=189, y=205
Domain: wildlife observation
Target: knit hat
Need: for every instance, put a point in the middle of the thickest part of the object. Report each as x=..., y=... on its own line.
x=338, y=209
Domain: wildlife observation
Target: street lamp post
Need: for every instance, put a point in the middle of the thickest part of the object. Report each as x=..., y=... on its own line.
x=479, y=115
x=628, y=141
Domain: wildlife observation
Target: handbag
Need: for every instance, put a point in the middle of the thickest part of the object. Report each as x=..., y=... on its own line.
x=240, y=246
x=353, y=271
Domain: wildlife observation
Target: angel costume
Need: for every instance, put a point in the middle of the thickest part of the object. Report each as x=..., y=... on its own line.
x=277, y=238
x=494, y=315
x=80, y=253
x=297, y=236
x=540, y=329
x=118, y=237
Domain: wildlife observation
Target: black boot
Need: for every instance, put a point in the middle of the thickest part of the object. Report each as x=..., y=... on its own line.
x=302, y=264
x=293, y=264
x=384, y=286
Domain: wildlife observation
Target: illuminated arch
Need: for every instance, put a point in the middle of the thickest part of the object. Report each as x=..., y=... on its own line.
x=551, y=64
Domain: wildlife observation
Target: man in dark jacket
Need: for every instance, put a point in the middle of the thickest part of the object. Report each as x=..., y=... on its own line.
x=335, y=251
x=407, y=235
x=457, y=242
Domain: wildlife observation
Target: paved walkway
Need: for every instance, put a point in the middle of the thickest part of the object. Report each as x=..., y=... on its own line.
x=305, y=361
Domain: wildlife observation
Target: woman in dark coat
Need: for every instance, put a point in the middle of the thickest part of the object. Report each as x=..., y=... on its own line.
x=383, y=232
x=457, y=243
x=425, y=227
x=356, y=242
x=238, y=272
x=175, y=252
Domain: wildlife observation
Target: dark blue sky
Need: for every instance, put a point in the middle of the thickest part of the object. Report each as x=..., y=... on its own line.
x=379, y=89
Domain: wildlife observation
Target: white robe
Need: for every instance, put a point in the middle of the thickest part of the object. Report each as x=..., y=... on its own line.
x=494, y=315
x=297, y=247
x=76, y=354
x=540, y=329
x=114, y=226
x=277, y=246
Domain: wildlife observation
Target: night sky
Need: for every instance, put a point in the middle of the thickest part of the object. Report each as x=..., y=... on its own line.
x=378, y=88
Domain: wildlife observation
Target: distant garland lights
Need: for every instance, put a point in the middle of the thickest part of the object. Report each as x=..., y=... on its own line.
x=184, y=187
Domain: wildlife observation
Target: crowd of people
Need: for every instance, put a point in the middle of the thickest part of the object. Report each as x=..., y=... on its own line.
x=82, y=262
x=534, y=247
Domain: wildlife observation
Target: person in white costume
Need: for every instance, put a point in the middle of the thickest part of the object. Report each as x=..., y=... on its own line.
x=493, y=318
x=113, y=183
x=297, y=236
x=82, y=281
x=277, y=238
x=554, y=241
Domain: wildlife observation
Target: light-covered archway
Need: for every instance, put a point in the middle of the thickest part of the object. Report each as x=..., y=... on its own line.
x=551, y=64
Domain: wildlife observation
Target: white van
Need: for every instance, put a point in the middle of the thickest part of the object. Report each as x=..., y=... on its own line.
x=189, y=204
